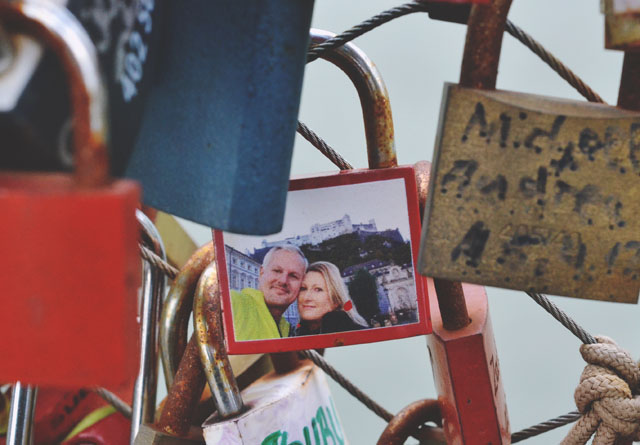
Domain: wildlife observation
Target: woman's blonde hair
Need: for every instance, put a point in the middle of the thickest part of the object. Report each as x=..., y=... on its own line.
x=337, y=290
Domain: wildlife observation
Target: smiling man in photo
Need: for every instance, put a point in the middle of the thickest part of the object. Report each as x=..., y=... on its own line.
x=257, y=313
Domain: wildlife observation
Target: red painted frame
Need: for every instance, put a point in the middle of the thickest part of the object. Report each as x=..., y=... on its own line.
x=422, y=327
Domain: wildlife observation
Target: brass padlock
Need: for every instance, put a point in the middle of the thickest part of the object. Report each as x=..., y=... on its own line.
x=531, y=192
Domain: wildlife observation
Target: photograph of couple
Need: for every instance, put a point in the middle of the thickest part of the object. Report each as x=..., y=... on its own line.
x=342, y=264
x=287, y=278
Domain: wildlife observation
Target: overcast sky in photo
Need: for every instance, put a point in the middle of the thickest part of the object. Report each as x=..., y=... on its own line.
x=383, y=201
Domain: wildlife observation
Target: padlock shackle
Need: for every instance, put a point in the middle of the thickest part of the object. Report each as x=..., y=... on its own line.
x=58, y=28
x=409, y=419
x=485, y=29
x=207, y=325
x=176, y=311
x=144, y=390
x=374, y=99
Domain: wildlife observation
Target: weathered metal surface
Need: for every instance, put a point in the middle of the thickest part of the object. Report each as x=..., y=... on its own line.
x=231, y=85
x=622, y=25
x=184, y=393
x=409, y=419
x=151, y=436
x=177, y=307
x=20, y=430
x=374, y=99
x=79, y=234
x=207, y=325
x=537, y=194
x=34, y=108
x=423, y=175
x=629, y=91
x=466, y=372
x=53, y=25
x=153, y=290
x=485, y=28
x=285, y=408
x=453, y=308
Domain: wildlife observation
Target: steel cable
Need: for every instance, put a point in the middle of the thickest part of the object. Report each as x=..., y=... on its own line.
x=543, y=427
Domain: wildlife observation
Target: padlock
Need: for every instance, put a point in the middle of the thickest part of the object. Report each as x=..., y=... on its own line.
x=463, y=356
x=465, y=366
x=153, y=290
x=176, y=310
x=409, y=419
x=294, y=408
x=178, y=409
x=286, y=407
x=35, y=112
x=184, y=408
x=225, y=161
x=70, y=243
x=531, y=193
x=621, y=24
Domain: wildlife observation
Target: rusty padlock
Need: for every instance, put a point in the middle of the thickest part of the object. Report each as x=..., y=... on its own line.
x=374, y=99
x=70, y=243
x=464, y=357
x=621, y=24
x=287, y=406
x=530, y=192
x=409, y=419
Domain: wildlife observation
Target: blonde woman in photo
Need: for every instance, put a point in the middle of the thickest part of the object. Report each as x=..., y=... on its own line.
x=324, y=304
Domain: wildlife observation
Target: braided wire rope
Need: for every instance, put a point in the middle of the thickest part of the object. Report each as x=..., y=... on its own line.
x=553, y=62
x=346, y=384
x=562, y=317
x=321, y=145
x=362, y=28
x=119, y=404
x=543, y=427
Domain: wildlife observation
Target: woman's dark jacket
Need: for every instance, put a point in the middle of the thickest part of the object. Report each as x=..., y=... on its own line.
x=334, y=321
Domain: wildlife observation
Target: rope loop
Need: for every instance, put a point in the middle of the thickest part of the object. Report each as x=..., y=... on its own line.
x=607, y=396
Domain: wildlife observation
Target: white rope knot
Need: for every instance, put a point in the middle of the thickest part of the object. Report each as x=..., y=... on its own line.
x=607, y=396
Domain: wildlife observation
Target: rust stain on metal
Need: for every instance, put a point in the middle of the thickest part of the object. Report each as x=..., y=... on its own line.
x=423, y=173
x=374, y=100
x=537, y=194
x=453, y=307
x=621, y=25
x=185, y=392
x=177, y=309
x=383, y=140
x=485, y=29
x=409, y=419
x=91, y=157
x=629, y=91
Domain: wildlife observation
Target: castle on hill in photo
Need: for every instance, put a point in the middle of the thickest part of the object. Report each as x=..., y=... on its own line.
x=361, y=252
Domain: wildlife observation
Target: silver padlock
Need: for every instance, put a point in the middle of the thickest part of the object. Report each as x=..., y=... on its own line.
x=289, y=407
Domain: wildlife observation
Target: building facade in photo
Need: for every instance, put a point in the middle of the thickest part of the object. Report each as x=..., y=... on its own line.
x=242, y=270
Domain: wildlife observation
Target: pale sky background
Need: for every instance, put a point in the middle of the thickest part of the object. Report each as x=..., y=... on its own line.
x=384, y=201
x=539, y=359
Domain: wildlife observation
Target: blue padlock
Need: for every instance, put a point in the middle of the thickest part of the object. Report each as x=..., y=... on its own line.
x=217, y=136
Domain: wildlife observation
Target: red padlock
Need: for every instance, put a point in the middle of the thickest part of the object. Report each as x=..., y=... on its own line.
x=466, y=370
x=463, y=356
x=70, y=267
